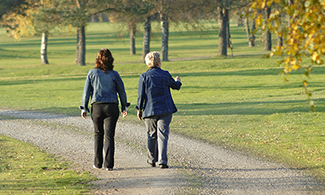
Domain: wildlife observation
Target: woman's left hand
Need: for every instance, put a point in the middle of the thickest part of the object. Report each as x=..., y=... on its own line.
x=124, y=114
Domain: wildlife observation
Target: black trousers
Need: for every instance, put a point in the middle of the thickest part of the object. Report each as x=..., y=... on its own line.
x=104, y=116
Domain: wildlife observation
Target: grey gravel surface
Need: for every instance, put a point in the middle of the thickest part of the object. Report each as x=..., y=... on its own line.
x=195, y=167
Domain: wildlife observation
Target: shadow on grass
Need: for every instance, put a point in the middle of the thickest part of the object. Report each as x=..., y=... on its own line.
x=11, y=54
x=251, y=72
x=37, y=81
x=45, y=113
x=246, y=108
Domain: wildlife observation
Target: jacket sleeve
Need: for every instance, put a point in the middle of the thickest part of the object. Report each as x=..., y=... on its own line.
x=121, y=92
x=87, y=93
x=141, y=94
x=172, y=83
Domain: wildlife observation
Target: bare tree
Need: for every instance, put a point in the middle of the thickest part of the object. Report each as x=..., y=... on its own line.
x=146, y=37
x=268, y=37
x=44, y=48
x=250, y=34
x=223, y=23
x=164, y=36
x=133, y=30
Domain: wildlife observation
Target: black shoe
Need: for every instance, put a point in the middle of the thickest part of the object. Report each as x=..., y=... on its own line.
x=163, y=166
x=152, y=164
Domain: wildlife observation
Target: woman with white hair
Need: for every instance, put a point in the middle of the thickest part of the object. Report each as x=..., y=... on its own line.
x=156, y=106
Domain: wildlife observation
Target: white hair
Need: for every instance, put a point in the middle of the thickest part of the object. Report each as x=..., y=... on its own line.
x=152, y=59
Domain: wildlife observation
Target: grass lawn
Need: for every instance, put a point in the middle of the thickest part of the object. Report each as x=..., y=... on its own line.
x=24, y=169
x=240, y=103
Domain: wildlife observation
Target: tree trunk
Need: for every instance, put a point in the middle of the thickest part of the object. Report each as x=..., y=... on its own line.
x=239, y=22
x=133, y=30
x=268, y=37
x=77, y=48
x=164, y=36
x=223, y=39
x=248, y=31
x=290, y=2
x=44, y=48
x=228, y=32
x=146, y=37
x=280, y=39
x=81, y=47
x=250, y=37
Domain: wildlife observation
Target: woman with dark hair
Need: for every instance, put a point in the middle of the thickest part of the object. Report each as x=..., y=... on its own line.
x=102, y=86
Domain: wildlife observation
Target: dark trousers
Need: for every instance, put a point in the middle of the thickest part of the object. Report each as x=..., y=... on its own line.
x=104, y=117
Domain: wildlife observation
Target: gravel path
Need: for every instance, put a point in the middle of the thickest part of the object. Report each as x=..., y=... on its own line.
x=196, y=167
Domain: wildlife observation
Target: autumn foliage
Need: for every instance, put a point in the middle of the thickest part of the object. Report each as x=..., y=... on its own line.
x=301, y=25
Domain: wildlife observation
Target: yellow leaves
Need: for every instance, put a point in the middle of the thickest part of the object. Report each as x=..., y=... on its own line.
x=304, y=37
x=291, y=41
x=296, y=67
x=307, y=4
x=315, y=56
x=259, y=20
x=253, y=5
x=291, y=64
x=276, y=12
x=287, y=60
x=261, y=4
x=322, y=49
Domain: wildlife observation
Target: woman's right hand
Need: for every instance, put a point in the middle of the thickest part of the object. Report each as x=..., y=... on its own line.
x=83, y=114
x=177, y=79
x=139, y=114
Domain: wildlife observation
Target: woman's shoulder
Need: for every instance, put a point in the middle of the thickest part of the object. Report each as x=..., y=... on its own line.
x=164, y=72
x=114, y=72
x=155, y=72
x=95, y=70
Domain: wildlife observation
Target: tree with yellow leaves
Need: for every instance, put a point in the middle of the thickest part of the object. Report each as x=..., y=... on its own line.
x=13, y=6
x=303, y=33
x=39, y=18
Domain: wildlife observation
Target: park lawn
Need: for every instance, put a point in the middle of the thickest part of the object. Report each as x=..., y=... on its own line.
x=26, y=169
x=239, y=103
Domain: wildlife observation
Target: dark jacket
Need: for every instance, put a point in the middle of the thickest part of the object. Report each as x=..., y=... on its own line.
x=103, y=87
x=154, y=92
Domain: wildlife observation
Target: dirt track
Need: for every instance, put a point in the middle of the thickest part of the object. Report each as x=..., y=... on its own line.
x=196, y=167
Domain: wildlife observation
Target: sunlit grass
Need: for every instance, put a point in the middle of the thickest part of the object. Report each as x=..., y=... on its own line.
x=240, y=103
x=24, y=169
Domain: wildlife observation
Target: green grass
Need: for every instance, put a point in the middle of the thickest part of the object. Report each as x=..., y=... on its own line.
x=26, y=169
x=239, y=103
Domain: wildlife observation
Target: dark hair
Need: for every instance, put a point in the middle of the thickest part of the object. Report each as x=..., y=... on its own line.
x=104, y=60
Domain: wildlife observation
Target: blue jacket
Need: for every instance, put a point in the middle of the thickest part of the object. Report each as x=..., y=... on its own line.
x=154, y=92
x=103, y=88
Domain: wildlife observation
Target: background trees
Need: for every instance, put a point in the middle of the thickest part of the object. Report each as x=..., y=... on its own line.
x=221, y=9
x=33, y=17
x=76, y=13
x=44, y=15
